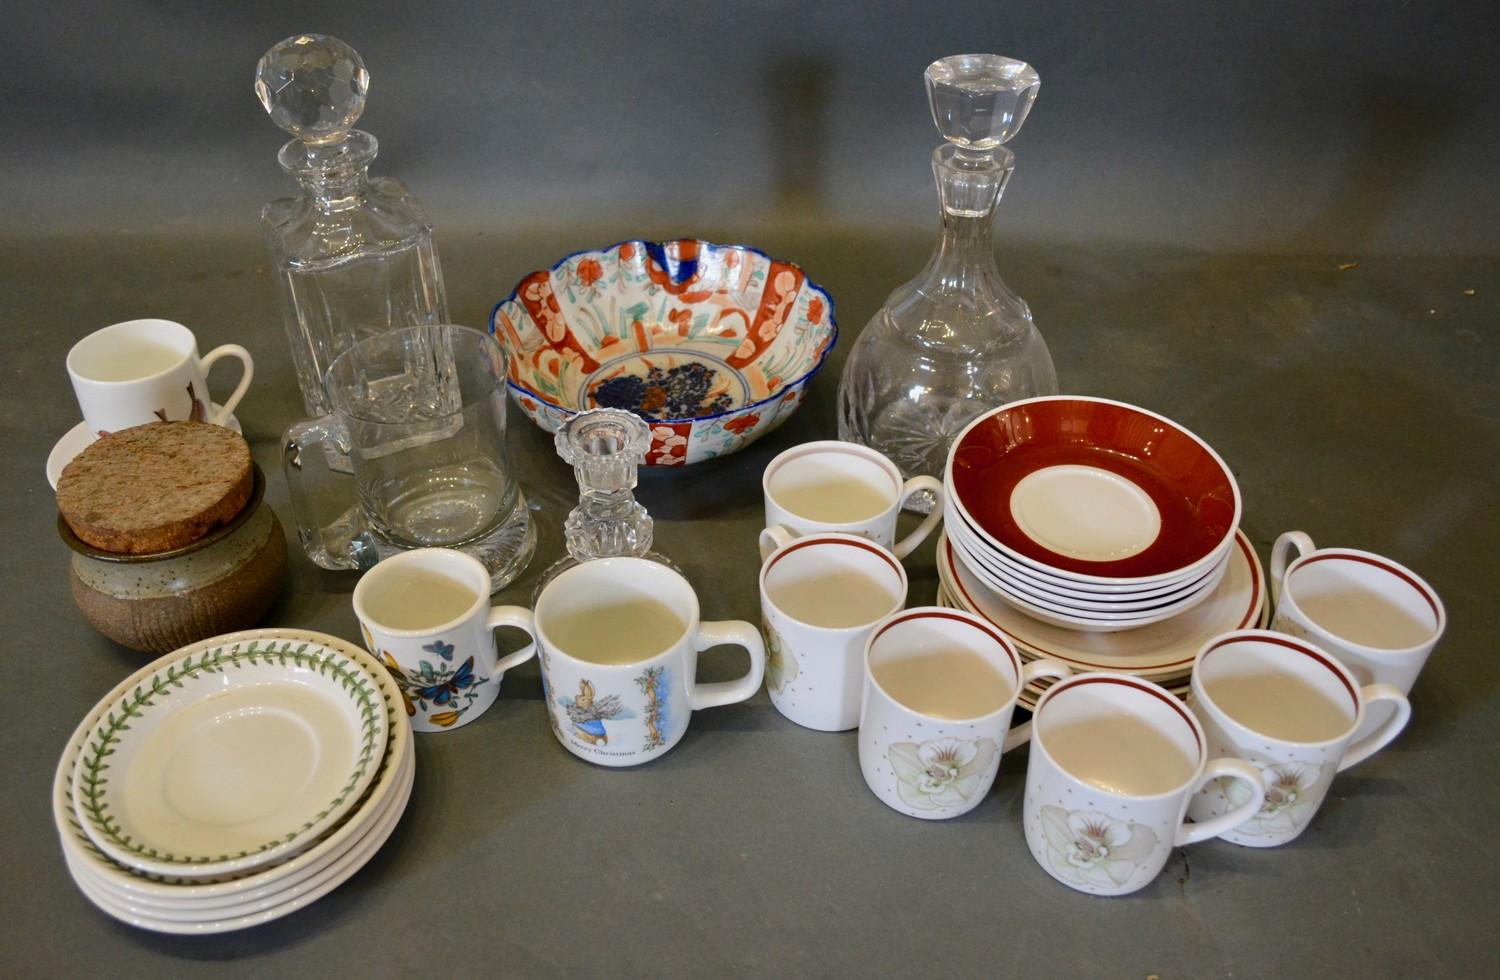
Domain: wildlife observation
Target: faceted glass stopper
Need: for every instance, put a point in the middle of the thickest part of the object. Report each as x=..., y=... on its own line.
x=980, y=100
x=313, y=86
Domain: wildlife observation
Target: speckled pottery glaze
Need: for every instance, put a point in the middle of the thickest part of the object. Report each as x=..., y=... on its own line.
x=713, y=345
x=157, y=603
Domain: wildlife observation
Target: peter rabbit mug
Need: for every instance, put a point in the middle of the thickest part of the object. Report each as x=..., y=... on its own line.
x=618, y=640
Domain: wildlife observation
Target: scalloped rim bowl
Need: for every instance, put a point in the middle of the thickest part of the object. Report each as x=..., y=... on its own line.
x=713, y=345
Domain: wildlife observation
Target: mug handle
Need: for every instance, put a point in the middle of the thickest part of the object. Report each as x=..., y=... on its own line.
x=740, y=634
x=1037, y=668
x=329, y=523
x=1192, y=833
x=917, y=484
x=1382, y=736
x=229, y=350
x=1284, y=544
x=520, y=618
x=772, y=538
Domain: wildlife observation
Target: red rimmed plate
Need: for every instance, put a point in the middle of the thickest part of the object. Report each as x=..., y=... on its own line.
x=1093, y=489
x=1162, y=648
x=995, y=571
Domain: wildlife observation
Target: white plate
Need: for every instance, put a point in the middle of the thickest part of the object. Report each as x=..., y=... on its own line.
x=78, y=846
x=261, y=897
x=961, y=531
x=79, y=438
x=1160, y=649
x=230, y=757
x=999, y=577
x=230, y=919
x=1070, y=617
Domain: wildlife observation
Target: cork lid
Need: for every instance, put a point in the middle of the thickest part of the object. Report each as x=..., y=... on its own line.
x=155, y=487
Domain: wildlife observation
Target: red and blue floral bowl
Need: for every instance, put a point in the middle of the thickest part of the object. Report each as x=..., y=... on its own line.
x=713, y=345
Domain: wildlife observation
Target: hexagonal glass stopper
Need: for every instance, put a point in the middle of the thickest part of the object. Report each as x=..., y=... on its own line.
x=313, y=86
x=980, y=100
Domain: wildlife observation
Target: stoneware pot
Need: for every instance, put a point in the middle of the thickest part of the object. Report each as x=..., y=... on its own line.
x=156, y=603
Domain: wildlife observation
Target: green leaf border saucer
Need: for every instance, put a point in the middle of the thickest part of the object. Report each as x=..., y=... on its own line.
x=182, y=679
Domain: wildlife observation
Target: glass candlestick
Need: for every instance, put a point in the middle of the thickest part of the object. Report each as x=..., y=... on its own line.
x=955, y=341
x=354, y=254
x=605, y=447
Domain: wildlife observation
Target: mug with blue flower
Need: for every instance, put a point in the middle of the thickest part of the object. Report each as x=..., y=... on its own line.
x=426, y=615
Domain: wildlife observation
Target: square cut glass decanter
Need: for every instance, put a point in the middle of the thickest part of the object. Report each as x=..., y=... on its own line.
x=955, y=341
x=354, y=254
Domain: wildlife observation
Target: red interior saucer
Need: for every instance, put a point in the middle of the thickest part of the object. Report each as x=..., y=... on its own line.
x=1192, y=489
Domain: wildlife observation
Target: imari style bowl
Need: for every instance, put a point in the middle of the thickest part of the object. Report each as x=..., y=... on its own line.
x=713, y=345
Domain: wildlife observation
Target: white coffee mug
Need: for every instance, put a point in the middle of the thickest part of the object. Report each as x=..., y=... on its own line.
x=1114, y=762
x=939, y=689
x=1376, y=616
x=618, y=640
x=1290, y=709
x=144, y=371
x=426, y=615
x=820, y=596
x=842, y=487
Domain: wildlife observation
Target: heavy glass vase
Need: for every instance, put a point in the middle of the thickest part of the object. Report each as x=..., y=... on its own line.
x=955, y=341
x=354, y=255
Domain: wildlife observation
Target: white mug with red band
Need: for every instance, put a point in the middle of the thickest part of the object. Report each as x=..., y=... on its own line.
x=1379, y=618
x=842, y=487
x=1291, y=710
x=1115, y=760
x=940, y=687
x=820, y=596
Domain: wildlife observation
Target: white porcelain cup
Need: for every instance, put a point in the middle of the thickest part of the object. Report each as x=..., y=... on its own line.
x=1114, y=762
x=820, y=596
x=426, y=615
x=1290, y=709
x=618, y=640
x=923, y=753
x=1380, y=619
x=144, y=371
x=842, y=487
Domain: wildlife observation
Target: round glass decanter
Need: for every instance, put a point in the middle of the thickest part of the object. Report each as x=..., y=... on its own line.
x=955, y=341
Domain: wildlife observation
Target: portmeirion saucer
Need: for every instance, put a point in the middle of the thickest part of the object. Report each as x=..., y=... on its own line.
x=79, y=437
x=156, y=901
x=193, y=921
x=231, y=757
x=1160, y=650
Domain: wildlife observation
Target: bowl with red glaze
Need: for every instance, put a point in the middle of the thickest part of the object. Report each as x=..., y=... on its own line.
x=1083, y=495
x=713, y=345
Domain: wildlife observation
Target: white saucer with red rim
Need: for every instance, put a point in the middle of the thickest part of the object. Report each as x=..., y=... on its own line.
x=1161, y=649
x=1092, y=491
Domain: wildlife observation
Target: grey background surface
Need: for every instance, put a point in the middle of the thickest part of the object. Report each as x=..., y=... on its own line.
x=1251, y=126
x=1189, y=184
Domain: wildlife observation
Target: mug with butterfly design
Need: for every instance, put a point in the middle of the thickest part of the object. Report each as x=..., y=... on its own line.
x=426, y=615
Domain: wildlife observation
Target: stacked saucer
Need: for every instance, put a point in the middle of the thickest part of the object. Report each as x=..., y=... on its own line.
x=1162, y=652
x=1089, y=514
x=233, y=781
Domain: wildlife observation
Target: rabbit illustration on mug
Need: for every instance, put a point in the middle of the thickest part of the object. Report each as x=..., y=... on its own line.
x=588, y=713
